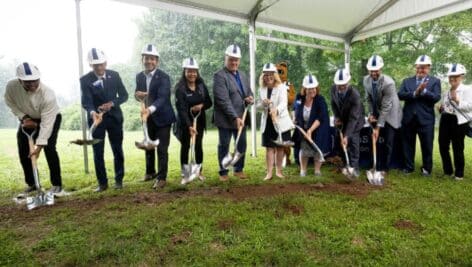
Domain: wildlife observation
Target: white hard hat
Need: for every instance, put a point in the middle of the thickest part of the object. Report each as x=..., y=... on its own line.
x=150, y=49
x=375, y=63
x=341, y=77
x=27, y=72
x=456, y=69
x=96, y=56
x=233, y=51
x=423, y=60
x=269, y=67
x=310, y=81
x=190, y=63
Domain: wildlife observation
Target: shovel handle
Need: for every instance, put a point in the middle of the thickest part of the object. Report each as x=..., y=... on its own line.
x=240, y=129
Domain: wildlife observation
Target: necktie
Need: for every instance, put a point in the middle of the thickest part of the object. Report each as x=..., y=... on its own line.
x=374, y=100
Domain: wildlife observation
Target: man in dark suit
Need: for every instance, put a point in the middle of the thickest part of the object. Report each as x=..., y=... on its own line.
x=153, y=87
x=231, y=93
x=348, y=112
x=420, y=93
x=385, y=113
x=102, y=94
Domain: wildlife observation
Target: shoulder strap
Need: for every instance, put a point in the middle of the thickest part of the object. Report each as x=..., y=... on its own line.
x=458, y=110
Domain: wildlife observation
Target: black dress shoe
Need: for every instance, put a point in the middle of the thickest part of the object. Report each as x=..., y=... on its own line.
x=101, y=188
x=149, y=177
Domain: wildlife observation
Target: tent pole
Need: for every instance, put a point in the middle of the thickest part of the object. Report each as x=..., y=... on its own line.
x=252, y=76
x=81, y=72
x=347, y=55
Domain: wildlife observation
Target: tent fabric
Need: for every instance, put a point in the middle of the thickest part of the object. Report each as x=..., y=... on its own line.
x=334, y=20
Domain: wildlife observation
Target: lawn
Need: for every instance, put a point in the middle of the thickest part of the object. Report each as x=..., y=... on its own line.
x=297, y=221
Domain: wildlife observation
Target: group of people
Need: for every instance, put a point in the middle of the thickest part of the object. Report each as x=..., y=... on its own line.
x=103, y=91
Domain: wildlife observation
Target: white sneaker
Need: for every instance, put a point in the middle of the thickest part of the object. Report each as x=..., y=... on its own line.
x=302, y=173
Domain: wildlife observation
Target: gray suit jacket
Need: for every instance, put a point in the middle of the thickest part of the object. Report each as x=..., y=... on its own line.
x=227, y=98
x=388, y=104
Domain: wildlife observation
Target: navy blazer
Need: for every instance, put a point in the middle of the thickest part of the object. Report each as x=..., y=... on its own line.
x=319, y=111
x=158, y=96
x=421, y=106
x=94, y=95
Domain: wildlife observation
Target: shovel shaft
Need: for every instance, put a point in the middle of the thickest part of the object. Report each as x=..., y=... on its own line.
x=313, y=144
x=374, y=152
x=344, y=148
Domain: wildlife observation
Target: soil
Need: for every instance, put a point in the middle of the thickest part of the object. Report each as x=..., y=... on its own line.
x=16, y=213
x=407, y=225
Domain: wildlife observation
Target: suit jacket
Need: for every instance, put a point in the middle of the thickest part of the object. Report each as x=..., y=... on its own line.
x=350, y=111
x=158, y=96
x=388, y=104
x=227, y=98
x=95, y=94
x=279, y=100
x=421, y=106
x=319, y=111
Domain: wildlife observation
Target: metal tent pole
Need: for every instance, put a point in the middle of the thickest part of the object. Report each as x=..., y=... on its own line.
x=252, y=75
x=81, y=72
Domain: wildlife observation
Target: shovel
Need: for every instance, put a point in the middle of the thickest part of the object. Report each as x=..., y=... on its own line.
x=311, y=142
x=279, y=141
x=348, y=171
x=231, y=158
x=373, y=176
x=192, y=170
x=147, y=143
x=41, y=197
x=90, y=140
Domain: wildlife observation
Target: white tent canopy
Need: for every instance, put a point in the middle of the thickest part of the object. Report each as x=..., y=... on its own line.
x=343, y=21
x=335, y=20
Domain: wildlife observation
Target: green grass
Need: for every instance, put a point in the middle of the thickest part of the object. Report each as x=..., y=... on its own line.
x=412, y=221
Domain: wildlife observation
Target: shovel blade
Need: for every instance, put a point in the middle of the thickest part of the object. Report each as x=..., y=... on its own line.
x=283, y=143
x=41, y=199
x=371, y=177
x=226, y=161
x=237, y=156
x=146, y=145
x=378, y=178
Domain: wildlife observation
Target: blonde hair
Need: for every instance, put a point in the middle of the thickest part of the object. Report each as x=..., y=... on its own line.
x=276, y=77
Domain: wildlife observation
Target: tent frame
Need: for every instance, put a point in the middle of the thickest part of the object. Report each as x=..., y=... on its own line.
x=357, y=32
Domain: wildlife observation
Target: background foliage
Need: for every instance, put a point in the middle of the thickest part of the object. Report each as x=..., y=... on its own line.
x=446, y=40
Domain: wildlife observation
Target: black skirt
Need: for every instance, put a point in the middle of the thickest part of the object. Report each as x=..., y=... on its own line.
x=270, y=134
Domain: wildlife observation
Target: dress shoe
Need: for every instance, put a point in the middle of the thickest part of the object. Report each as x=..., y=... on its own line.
x=224, y=178
x=118, y=186
x=101, y=188
x=149, y=177
x=240, y=175
x=29, y=189
x=425, y=173
x=267, y=178
x=159, y=184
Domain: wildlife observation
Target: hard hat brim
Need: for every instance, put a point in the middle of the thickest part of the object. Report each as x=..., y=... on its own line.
x=97, y=61
x=374, y=68
x=233, y=55
x=30, y=78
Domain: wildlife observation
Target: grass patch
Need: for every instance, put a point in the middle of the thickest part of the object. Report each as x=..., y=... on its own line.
x=296, y=221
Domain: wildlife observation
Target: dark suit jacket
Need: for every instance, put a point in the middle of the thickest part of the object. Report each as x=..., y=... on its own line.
x=350, y=112
x=319, y=111
x=158, y=96
x=227, y=98
x=421, y=106
x=94, y=95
